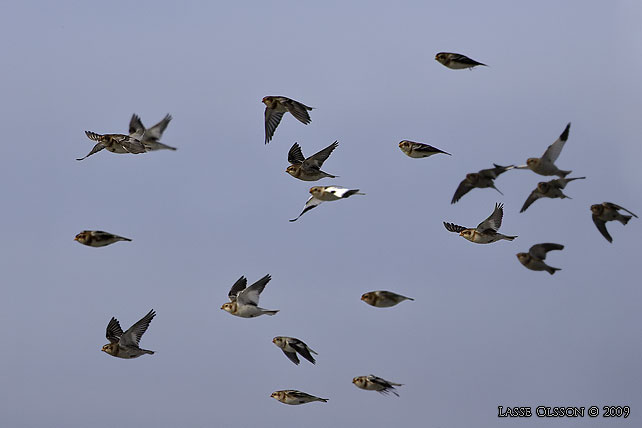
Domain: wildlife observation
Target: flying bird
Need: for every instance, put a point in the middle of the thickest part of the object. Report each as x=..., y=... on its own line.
x=125, y=345
x=534, y=259
x=419, y=150
x=326, y=193
x=456, y=61
x=546, y=164
x=294, y=397
x=383, y=299
x=150, y=136
x=276, y=107
x=291, y=346
x=375, y=383
x=608, y=211
x=115, y=143
x=480, y=180
x=98, y=238
x=309, y=169
x=244, y=301
x=486, y=231
x=549, y=189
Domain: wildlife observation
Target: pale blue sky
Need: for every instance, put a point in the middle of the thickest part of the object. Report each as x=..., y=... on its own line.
x=482, y=332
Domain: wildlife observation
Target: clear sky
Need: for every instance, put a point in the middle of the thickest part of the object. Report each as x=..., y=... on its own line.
x=482, y=332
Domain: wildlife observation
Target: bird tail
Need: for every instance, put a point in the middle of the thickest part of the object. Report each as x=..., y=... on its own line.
x=509, y=238
x=551, y=270
x=270, y=312
x=122, y=238
x=564, y=173
x=325, y=400
x=148, y=351
x=624, y=219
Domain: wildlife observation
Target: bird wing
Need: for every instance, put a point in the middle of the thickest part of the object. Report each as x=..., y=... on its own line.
x=136, y=126
x=496, y=171
x=463, y=188
x=114, y=332
x=250, y=295
x=133, y=334
x=298, y=110
x=535, y=195
x=341, y=192
x=129, y=144
x=295, y=155
x=425, y=148
x=292, y=356
x=272, y=120
x=494, y=221
x=451, y=227
x=386, y=385
x=312, y=202
x=238, y=286
x=155, y=132
x=618, y=207
x=601, y=226
x=98, y=147
x=464, y=59
x=317, y=159
x=539, y=250
x=553, y=151
x=302, y=349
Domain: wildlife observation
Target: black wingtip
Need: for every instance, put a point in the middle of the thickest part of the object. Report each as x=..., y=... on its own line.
x=564, y=135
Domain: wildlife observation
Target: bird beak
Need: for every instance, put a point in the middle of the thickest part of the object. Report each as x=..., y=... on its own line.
x=76, y=238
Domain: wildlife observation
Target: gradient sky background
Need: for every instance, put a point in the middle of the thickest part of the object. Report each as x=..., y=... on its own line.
x=483, y=330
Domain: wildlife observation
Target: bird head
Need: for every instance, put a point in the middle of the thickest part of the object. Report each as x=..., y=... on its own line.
x=229, y=307
x=316, y=190
x=466, y=234
x=532, y=162
x=369, y=298
x=543, y=186
x=82, y=237
x=292, y=170
x=279, y=341
x=523, y=257
x=108, y=348
x=597, y=209
x=472, y=178
x=359, y=381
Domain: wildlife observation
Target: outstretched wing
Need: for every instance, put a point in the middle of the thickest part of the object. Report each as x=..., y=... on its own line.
x=238, y=286
x=494, y=221
x=312, y=202
x=553, y=151
x=601, y=226
x=539, y=250
x=114, y=332
x=317, y=159
x=136, y=127
x=250, y=296
x=155, y=132
x=98, y=147
x=132, y=336
x=463, y=188
x=272, y=120
x=451, y=227
x=295, y=155
x=535, y=195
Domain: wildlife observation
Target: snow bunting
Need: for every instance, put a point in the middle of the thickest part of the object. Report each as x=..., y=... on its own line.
x=534, y=259
x=276, y=107
x=326, y=193
x=480, y=180
x=549, y=189
x=150, y=136
x=486, y=231
x=244, y=301
x=419, y=150
x=383, y=299
x=546, y=164
x=608, y=211
x=292, y=396
x=98, y=238
x=308, y=169
x=456, y=61
x=290, y=346
x=115, y=143
x=125, y=345
x=375, y=383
